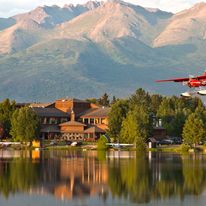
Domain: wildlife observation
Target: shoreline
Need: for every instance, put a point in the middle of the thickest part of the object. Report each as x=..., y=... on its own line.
x=93, y=147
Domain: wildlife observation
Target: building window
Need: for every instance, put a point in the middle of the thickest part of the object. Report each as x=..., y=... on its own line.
x=53, y=120
x=92, y=121
x=63, y=120
x=86, y=121
x=44, y=120
x=103, y=121
x=96, y=121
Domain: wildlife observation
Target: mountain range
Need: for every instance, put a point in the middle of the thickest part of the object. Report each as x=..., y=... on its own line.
x=86, y=50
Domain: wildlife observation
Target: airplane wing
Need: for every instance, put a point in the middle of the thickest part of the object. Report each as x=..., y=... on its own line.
x=200, y=77
x=175, y=80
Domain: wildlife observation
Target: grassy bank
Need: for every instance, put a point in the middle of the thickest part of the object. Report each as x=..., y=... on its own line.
x=93, y=146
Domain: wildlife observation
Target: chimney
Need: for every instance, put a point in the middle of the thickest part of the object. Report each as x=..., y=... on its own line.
x=160, y=122
x=72, y=116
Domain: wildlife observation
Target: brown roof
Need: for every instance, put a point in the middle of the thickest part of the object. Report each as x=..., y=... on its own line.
x=72, y=99
x=152, y=139
x=72, y=123
x=96, y=112
x=50, y=112
x=43, y=105
x=94, y=129
x=50, y=128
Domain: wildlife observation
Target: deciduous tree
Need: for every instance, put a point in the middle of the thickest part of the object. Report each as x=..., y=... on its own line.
x=116, y=116
x=25, y=125
x=136, y=127
x=6, y=110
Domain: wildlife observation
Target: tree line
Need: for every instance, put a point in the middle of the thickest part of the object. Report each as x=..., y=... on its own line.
x=132, y=120
x=19, y=124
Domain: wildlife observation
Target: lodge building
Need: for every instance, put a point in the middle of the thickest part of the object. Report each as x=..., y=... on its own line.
x=72, y=119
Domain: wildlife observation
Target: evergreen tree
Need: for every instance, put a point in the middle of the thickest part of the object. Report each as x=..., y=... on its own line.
x=194, y=130
x=25, y=125
x=114, y=100
x=156, y=100
x=174, y=111
x=166, y=113
x=104, y=100
x=140, y=98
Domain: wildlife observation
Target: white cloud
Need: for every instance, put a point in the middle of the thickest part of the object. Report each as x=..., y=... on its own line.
x=167, y=5
x=11, y=7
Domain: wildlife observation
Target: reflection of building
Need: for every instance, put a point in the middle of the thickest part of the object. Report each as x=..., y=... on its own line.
x=72, y=119
x=82, y=176
x=73, y=175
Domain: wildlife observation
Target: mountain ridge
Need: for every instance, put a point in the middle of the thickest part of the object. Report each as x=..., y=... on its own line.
x=110, y=46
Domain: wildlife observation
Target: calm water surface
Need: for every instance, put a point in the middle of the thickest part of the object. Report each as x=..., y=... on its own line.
x=98, y=178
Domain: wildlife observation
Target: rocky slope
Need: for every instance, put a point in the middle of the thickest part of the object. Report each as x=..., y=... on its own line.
x=185, y=27
x=89, y=49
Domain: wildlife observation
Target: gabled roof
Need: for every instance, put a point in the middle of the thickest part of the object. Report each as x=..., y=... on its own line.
x=50, y=112
x=72, y=123
x=152, y=139
x=94, y=129
x=96, y=112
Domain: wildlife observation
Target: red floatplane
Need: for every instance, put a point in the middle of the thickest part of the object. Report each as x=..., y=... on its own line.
x=192, y=82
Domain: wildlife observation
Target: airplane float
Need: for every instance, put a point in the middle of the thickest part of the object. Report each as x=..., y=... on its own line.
x=192, y=82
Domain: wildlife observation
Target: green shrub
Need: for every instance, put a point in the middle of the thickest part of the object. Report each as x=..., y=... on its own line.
x=141, y=146
x=185, y=147
x=102, y=143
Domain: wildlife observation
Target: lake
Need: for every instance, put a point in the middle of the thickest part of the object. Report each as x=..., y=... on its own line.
x=90, y=178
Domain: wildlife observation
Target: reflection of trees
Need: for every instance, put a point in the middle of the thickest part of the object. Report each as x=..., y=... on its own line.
x=130, y=179
x=194, y=178
x=101, y=155
x=170, y=180
x=138, y=185
x=141, y=180
x=17, y=175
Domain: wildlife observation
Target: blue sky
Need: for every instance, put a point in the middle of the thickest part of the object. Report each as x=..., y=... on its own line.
x=11, y=7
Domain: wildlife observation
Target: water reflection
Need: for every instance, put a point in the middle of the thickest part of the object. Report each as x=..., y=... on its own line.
x=70, y=175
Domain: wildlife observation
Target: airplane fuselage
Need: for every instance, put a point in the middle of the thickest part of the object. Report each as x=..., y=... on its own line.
x=196, y=83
